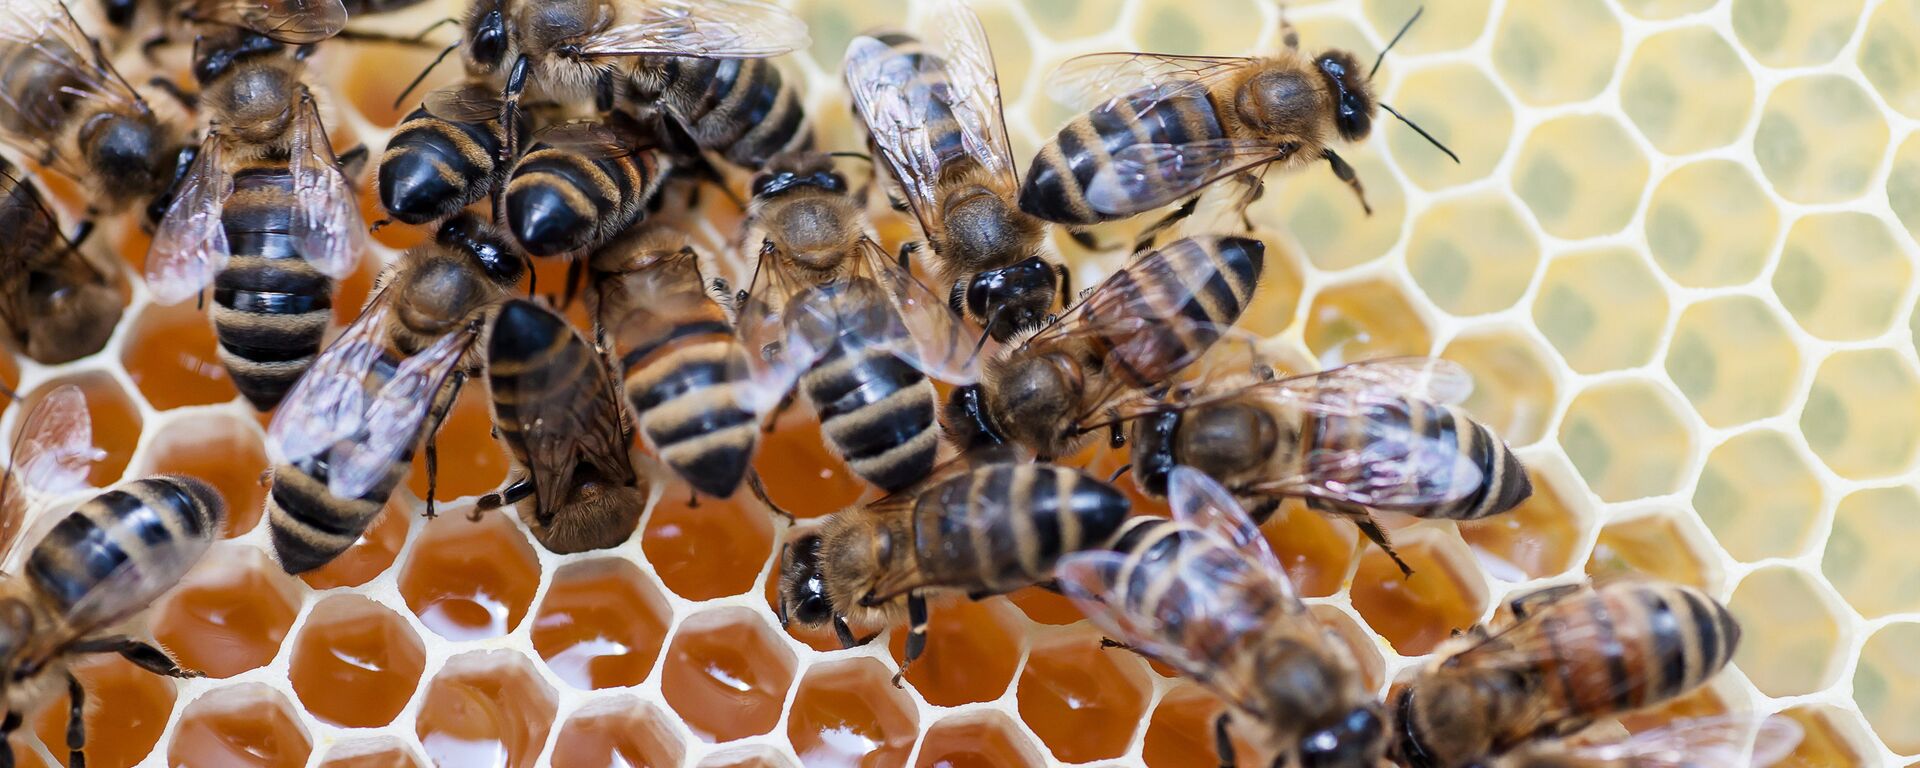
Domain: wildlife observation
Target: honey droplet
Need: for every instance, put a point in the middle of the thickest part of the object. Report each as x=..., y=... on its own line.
x=727, y=675
x=848, y=713
x=471, y=461
x=972, y=649
x=116, y=421
x=1181, y=731
x=370, y=555
x=356, y=663
x=801, y=473
x=486, y=708
x=470, y=580
x=601, y=624
x=224, y=451
x=126, y=712
x=631, y=733
x=1315, y=549
x=170, y=353
x=1082, y=701
x=1416, y=613
x=229, y=614
x=707, y=551
x=976, y=740
x=244, y=725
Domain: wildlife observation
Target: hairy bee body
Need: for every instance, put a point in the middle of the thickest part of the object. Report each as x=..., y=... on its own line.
x=1056, y=184
x=1208, y=279
x=743, y=109
x=876, y=410
x=563, y=197
x=442, y=159
x=270, y=307
x=155, y=520
x=59, y=305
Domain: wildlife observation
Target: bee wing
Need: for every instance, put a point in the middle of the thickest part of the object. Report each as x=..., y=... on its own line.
x=1142, y=177
x=395, y=415
x=55, y=450
x=1091, y=579
x=894, y=96
x=43, y=33
x=190, y=246
x=1200, y=501
x=135, y=583
x=938, y=342
x=973, y=85
x=326, y=222
x=1702, y=742
x=588, y=138
x=464, y=103
x=294, y=22
x=779, y=345
x=713, y=29
x=567, y=416
x=329, y=403
x=1096, y=79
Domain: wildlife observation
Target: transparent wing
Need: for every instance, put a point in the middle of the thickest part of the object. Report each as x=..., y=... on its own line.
x=464, y=103
x=590, y=139
x=42, y=35
x=1395, y=467
x=55, y=450
x=1097, y=79
x=294, y=22
x=190, y=246
x=1142, y=177
x=396, y=414
x=973, y=88
x=566, y=416
x=1200, y=501
x=938, y=342
x=30, y=224
x=329, y=403
x=1701, y=742
x=326, y=224
x=893, y=95
x=714, y=29
x=135, y=583
x=778, y=351
x=1092, y=580
x=1351, y=389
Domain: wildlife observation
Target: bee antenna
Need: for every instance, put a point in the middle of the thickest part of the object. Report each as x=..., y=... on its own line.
x=423, y=73
x=1422, y=131
x=985, y=333
x=1396, y=40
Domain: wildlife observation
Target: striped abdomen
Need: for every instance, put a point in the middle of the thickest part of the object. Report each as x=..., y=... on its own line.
x=1625, y=645
x=561, y=200
x=270, y=307
x=1165, y=560
x=743, y=109
x=1206, y=279
x=434, y=167
x=1003, y=527
x=1056, y=185
x=875, y=410
x=1502, y=482
x=308, y=525
x=157, y=527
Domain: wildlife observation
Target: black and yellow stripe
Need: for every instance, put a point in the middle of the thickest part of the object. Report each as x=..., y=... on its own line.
x=1005, y=526
x=876, y=411
x=434, y=167
x=1503, y=481
x=1056, y=185
x=560, y=201
x=1208, y=279
x=742, y=109
x=145, y=524
x=270, y=307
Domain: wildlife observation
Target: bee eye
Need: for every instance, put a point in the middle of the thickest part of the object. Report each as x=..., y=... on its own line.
x=489, y=44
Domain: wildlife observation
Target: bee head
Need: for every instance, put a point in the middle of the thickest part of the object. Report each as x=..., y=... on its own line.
x=471, y=235
x=792, y=170
x=1353, y=95
x=486, y=37
x=1356, y=740
x=803, y=591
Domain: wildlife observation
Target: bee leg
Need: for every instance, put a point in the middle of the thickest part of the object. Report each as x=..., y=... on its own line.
x=7, y=727
x=141, y=654
x=514, y=493
x=352, y=161
x=167, y=86
x=786, y=401
x=435, y=416
x=266, y=477
x=81, y=232
x=916, y=633
x=760, y=492
x=1378, y=536
x=576, y=277
x=603, y=92
x=1525, y=605
x=76, y=723
x=510, y=108
x=844, y=632
x=1066, y=284
x=906, y=254
x=1345, y=173
x=1223, y=741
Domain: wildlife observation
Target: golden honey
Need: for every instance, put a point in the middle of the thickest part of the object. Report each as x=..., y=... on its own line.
x=370, y=555
x=126, y=713
x=229, y=614
x=726, y=676
x=244, y=725
x=600, y=625
x=170, y=355
x=485, y=708
x=973, y=650
x=975, y=741
x=706, y=548
x=471, y=580
x=1083, y=701
x=631, y=736
x=226, y=452
x=849, y=713
x=355, y=663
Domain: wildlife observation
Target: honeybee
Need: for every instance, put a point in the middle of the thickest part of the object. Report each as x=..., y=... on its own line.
x=1204, y=594
x=556, y=411
x=1162, y=127
x=444, y=155
x=933, y=115
x=582, y=183
x=987, y=531
x=1572, y=653
x=1382, y=434
x=294, y=22
x=1130, y=334
x=52, y=453
x=1724, y=741
x=59, y=304
x=345, y=435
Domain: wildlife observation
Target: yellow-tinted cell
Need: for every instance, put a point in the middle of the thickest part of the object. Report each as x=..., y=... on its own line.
x=1473, y=255
x=831, y=23
x=1664, y=9
x=1628, y=439
x=1657, y=545
x=1820, y=139
x=1085, y=702
x=1842, y=275
x=1868, y=558
x=1416, y=613
x=981, y=738
x=1887, y=55
x=229, y=614
x=1321, y=212
x=1457, y=27
x=1064, y=20
x=1193, y=27
x=1513, y=391
x=1687, y=90
x=1887, y=686
x=1863, y=414
x=1543, y=63
x=1794, y=33
x=1733, y=359
x=1460, y=106
x=1759, y=496
x=1537, y=539
x=1799, y=652
x=1710, y=224
x=1827, y=738
x=1361, y=321
x=1581, y=175
x=1903, y=185
x=1278, y=298
x=1602, y=309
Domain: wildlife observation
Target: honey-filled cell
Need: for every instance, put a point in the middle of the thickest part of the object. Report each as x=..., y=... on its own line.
x=976, y=739
x=170, y=354
x=1416, y=613
x=229, y=614
x=1316, y=550
x=471, y=461
x=746, y=757
x=116, y=421
x=601, y=624
x=1824, y=742
x=848, y=713
x=1362, y=321
x=1045, y=606
x=621, y=733
x=971, y=652
x=1536, y=539
x=351, y=293
x=1180, y=733
x=1654, y=545
x=470, y=580
x=1082, y=700
x=486, y=708
x=223, y=450
x=706, y=548
x=383, y=752
x=244, y=725
x=372, y=80
x=370, y=555
x=356, y=662
x=126, y=713
x=802, y=475
x=727, y=675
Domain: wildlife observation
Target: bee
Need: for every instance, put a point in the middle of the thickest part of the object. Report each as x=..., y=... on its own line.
x=1162, y=127
x=556, y=411
x=935, y=121
x=1131, y=334
x=59, y=304
x=294, y=22
x=444, y=155
x=582, y=183
x=52, y=453
x=1380, y=434
x=1204, y=594
x=1572, y=654
x=1723, y=741
x=987, y=531
x=346, y=433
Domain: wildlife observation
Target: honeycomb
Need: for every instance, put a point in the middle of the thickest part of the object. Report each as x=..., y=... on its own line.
x=1678, y=256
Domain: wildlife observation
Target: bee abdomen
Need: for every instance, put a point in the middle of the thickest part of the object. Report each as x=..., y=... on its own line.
x=309, y=526
x=1056, y=185
x=531, y=343
x=877, y=412
x=150, y=525
x=432, y=168
x=559, y=201
x=686, y=404
x=1214, y=279
x=742, y=108
x=1004, y=527
x=1503, y=480
x=270, y=307
x=1629, y=645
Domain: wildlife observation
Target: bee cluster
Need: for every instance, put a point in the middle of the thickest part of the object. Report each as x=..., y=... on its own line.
x=592, y=131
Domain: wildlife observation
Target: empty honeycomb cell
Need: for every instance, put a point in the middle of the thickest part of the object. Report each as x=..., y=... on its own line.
x=1734, y=359
x=1581, y=175
x=707, y=548
x=1759, y=495
x=471, y=461
x=1180, y=733
x=1602, y=309
x=116, y=421
x=1365, y=652
x=383, y=752
x=1082, y=700
x=1278, y=298
x=355, y=663
x=1316, y=550
x=847, y=712
x=248, y=724
x=1362, y=321
x=1658, y=545
x=1709, y=223
x=601, y=624
x=470, y=580
x=1513, y=391
x=126, y=713
x=727, y=674
x=976, y=739
x=1886, y=686
x=486, y=708
x=1794, y=33
x=1886, y=56
x=972, y=651
x=230, y=613
x=1461, y=24
x=1544, y=66
x=1320, y=211
x=1664, y=9
x=1416, y=613
x=1826, y=738
x=802, y=474
x=1799, y=652
x=1540, y=537
x=1189, y=28
x=1842, y=275
x=224, y=450
x=1687, y=90
x=1461, y=107
x=1045, y=606
x=1867, y=559
x=170, y=354
x=1863, y=413
x=1820, y=139
x=1628, y=439
x=619, y=732
x=1473, y=255
x=371, y=554
x=1903, y=185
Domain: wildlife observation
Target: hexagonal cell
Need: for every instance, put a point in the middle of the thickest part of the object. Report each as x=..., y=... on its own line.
x=1903, y=185
x=222, y=449
x=1012, y=51
x=1045, y=607
x=1365, y=320
x=1460, y=106
x=1759, y=496
x=727, y=674
x=1733, y=358
x=465, y=441
x=1886, y=686
x=801, y=474
x=1828, y=736
x=622, y=731
x=1886, y=56
x=601, y=624
x=972, y=651
x=1863, y=413
x=1316, y=550
x=712, y=549
x=1278, y=299
x=1083, y=701
x=847, y=712
x=1063, y=21
x=1664, y=9
x=171, y=355
x=1628, y=439
x=1602, y=309
x=1866, y=558
x=126, y=712
x=832, y=24
x=230, y=613
x=486, y=708
x=1710, y=224
x=1800, y=651
x=379, y=752
x=1539, y=538
x=1416, y=613
x=371, y=554
x=1820, y=139
x=1180, y=732
x=747, y=757
x=1842, y=275
x=1794, y=33
x=1687, y=90
x=1657, y=545
x=1322, y=214
x=1513, y=389
x=976, y=739
x=1581, y=175
x=116, y=421
x=1360, y=643
x=1473, y=255
x=1457, y=28
x=1546, y=66
x=1183, y=28
x=246, y=724
x=356, y=663
x=468, y=581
